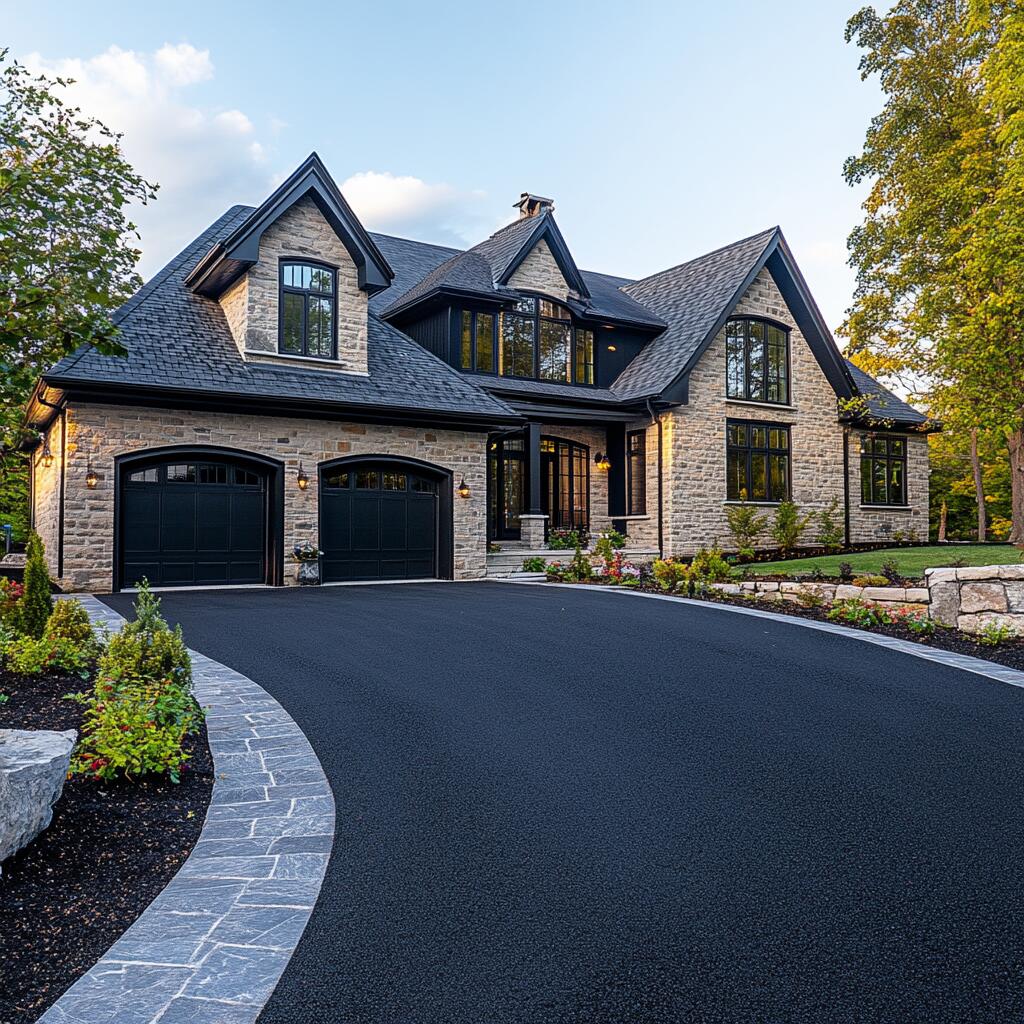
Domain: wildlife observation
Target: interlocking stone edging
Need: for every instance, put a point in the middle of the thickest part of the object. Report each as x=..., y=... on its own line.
x=212, y=946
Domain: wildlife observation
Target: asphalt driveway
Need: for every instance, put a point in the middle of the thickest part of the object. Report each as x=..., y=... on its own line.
x=559, y=805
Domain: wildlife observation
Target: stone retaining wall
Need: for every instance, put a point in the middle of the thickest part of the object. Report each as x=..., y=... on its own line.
x=971, y=599
x=798, y=592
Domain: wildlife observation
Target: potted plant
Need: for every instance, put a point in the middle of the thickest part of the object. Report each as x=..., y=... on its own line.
x=308, y=557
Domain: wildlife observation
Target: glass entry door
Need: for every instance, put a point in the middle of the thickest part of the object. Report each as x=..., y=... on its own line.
x=565, y=483
x=506, y=487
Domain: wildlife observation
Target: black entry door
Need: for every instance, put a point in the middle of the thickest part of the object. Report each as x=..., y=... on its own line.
x=565, y=483
x=378, y=522
x=506, y=488
x=190, y=523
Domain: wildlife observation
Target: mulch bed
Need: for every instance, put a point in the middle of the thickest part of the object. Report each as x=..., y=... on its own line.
x=108, y=852
x=1010, y=653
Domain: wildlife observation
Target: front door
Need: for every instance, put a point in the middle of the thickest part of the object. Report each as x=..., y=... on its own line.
x=565, y=483
x=506, y=487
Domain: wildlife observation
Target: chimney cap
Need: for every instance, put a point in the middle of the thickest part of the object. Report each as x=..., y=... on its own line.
x=531, y=206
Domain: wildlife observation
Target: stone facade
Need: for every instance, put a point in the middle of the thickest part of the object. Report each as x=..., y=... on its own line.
x=46, y=492
x=694, y=439
x=870, y=524
x=106, y=431
x=539, y=272
x=251, y=304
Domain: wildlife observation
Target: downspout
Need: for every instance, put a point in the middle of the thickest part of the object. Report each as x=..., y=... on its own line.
x=656, y=420
x=846, y=485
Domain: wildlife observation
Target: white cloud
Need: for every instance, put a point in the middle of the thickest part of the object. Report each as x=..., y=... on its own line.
x=205, y=158
x=404, y=205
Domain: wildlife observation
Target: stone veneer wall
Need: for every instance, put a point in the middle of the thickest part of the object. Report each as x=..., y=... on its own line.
x=46, y=494
x=596, y=441
x=251, y=305
x=539, y=272
x=695, y=502
x=870, y=524
x=106, y=431
x=975, y=597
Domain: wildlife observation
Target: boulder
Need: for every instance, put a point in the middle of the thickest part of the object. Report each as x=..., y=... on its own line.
x=918, y=595
x=945, y=602
x=894, y=594
x=978, y=572
x=848, y=592
x=940, y=575
x=1015, y=596
x=982, y=597
x=33, y=767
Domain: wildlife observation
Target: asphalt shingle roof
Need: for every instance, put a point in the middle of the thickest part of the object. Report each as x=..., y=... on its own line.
x=883, y=404
x=690, y=298
x=177, y=340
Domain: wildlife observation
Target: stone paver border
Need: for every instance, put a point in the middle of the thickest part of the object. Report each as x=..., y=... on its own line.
x=979, y=666
x=212, y=946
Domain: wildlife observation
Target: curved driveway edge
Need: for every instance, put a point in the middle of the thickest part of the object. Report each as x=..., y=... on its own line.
x=979, y=666
x=212, y=946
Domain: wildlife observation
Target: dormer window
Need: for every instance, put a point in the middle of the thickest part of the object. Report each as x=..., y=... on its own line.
x=308, y=310
x=538, y=340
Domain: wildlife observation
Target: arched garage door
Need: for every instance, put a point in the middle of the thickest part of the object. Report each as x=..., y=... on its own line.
x=383, y=520
x=194, y=519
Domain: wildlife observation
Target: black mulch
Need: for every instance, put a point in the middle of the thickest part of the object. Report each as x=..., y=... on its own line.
x=1009, y=653
x=108, y=852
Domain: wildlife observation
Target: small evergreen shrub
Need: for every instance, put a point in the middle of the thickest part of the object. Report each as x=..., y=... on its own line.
x=845, y=572
x=831, y=532
x=141, y=708
x=535, y=564
x=33, y=610
x=70, y=622
x=788, y=526
x=745, y=525
x=669, y=574
x=709, y=566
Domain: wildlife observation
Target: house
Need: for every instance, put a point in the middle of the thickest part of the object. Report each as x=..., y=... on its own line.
x=292, y=377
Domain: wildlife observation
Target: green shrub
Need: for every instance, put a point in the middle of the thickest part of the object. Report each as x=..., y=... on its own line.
x=27, y=656
x=69, y=621
x=618, y=540
x=536, y=564
x=856, y=612
x=870, y=580
x=33, y=610
x=788, y=526
x=745, y=525
x=891, y=571
x=669, y=574
x=580, y=567
x=709, y=566
x=141, y=708
x=995, y=633
x=916, y=621
x=845, y=572
x=809, y=598
x=567, y=540
x=831, y=532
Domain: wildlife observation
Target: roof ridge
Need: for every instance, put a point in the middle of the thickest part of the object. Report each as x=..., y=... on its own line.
x=707, y=255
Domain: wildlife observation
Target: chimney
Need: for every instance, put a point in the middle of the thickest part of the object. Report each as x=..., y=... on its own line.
x=533, y=206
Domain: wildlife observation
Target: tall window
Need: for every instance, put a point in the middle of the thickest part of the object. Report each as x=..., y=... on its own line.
x=307, y=304
x=636, y=473
x=477, y=344
x=757, y=461
x=757, y=361
x=538, y=341
x=883, y=470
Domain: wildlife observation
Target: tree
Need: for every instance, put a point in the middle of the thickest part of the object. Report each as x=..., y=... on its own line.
x=940, y=282
x=36, y=604
x=65, y=261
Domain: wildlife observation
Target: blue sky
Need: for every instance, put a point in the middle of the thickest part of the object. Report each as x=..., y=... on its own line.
x=662, y=130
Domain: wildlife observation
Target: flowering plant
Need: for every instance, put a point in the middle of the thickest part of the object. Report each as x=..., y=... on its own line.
x=11, y=592
x=307, y=552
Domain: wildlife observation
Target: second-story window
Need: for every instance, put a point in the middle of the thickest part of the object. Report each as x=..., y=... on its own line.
x=538, y=340
x=477, y=341
x=308, y=312
x=757, y=361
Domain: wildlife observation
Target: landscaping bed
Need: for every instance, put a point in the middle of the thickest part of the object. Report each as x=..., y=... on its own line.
x=110, y=849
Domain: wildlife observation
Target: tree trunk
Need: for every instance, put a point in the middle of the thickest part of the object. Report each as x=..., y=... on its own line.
x=943, y=513
x=979, y=487
x=1015, y=442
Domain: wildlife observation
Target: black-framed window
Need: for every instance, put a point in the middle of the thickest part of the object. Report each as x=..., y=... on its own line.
x=636, y=473
x=757, y=461
x=308, y=304
x=476, y=344
x=539, y=341
x=757, y=361
x=883, y=470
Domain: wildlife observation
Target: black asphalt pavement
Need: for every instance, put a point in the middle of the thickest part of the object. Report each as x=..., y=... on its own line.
x=561, y=805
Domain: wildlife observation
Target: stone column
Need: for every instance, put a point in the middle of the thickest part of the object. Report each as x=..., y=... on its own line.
x=532, y=530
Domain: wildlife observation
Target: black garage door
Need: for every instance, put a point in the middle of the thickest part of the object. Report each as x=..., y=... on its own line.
x=189, y=522
x=377, y=522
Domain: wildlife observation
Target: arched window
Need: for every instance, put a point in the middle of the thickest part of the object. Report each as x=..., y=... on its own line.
x=308, y=312
x=757, y=361
x=539, y=340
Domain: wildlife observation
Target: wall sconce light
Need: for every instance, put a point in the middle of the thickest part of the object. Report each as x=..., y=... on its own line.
x=463, y=489
x=601, y=461
x=47, y=457
x=611, y=348
x=91, y=479
x=301, y=478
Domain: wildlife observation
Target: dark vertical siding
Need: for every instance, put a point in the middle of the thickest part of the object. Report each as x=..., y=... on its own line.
x=432, y=333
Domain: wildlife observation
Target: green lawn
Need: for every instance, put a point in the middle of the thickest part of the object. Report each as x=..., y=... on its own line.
x=911, y=561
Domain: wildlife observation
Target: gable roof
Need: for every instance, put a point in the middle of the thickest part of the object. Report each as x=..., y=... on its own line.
x=232, y=255
x=178, y=342
x=881, y=403
x=696, y=298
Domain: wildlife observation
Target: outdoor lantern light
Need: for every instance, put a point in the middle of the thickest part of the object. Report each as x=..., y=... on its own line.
x=301, y=478
x=47, y=459
x=463, y=489
x=601, y=460
x=91, y=479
